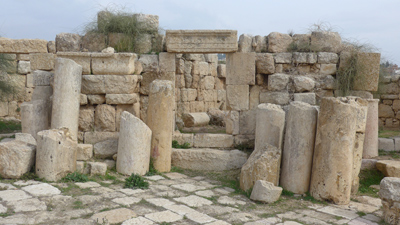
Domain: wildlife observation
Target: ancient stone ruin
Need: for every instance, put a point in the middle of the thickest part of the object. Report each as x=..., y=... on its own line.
x=85, y=110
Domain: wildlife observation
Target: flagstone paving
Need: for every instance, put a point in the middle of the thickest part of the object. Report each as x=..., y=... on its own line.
x=173, y=198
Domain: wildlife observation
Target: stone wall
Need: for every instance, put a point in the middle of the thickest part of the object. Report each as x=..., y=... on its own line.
x=389, y=105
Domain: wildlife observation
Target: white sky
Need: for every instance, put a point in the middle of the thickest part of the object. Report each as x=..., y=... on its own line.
x=376, y=22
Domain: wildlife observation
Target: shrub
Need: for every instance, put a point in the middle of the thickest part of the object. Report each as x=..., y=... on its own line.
x=136, y=181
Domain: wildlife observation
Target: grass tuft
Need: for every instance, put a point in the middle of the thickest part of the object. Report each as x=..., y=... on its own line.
x=75, y=177
x=175, y=144
x=9, y=126
x=368, y=178
x=136, y=181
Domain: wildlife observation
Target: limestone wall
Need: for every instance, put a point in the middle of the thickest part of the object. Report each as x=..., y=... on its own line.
x=389, y=105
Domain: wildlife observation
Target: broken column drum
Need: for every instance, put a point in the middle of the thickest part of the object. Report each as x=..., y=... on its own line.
x=298, y=150
x=159, y=119
x=332, y=170
x=371, y=130
x=133, y=145
x=34, y=117
x=269, y=126
x=66, y=96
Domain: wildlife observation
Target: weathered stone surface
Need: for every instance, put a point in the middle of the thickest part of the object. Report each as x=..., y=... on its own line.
x=390, y=199
x=386, y=144
x=16, y=158
x=244, y=43
x=56, y=154
x=357, y=160
x=104, y=119
x=368, y=72
x=302, y=83
x=327, y=57
x=260, y=43
x=278, y=82
x=83, y=99
x=114, y=216
x=159, y=120
x=278, y=42
x=371, y=130
x=27, y=138
x=84, y=152
x=96, y=99
x=389, y=168
x=298, y=150
x=201, y=41
x=97, y=168
x=213, y=140
x=24, y=67
x=66, y=96
x=81, y=58
x=208, y=159
x=86, y=118
x=42, y=78
x=333, y=153
x=280, y=98
x=150, y=63
x=94, y=42
x=265, y=63
x=105, y=149
x=116, y=64
x=265, y=191
x=247, y=122
x=110, y=84
x=231, y=120
x=41, y=190
x=385, y=111
x=195, y=119
x=22, y=45
x=263, y=164
x=133, y=146
x=269, y=126
x=328, y=69
x=326, y=41
x=68, y=42
x=122, y=98
x=240, y=69
x=34, y=117
x=42, y=61
x=221, y=70
x=237, y=97
x=305, y=97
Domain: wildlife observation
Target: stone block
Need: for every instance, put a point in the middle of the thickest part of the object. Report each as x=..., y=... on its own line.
x=232, y=122
x=389, y=168
x=16, y=158
x=305, y=97
x=213, y=140
x=97, y=168
x=95, y=137
x=51, y=47
x=304, y=57
x=302, y=83
x=328, y=57
x=278, y=82
x=68, y=42
x=240, y=68
x=183, y=138
x=133, y=146
x=221, y=69
x=386, y=144
x=328, y=69
x=367, y=76
x=207, y=82
x=254, y=99
x=260, y=43
x=201, y=41
x=244, y=43
x=270, y=123
x=86, y=118
x=116, y=64
x=368, y=164
x=24, y=67
x=237, y=97
x=371, y=130
x=56, y=154
x=263, y=164
x=110, y=84
x=247, y=122
x=3, y=108
x=264, y=191
x=84, y=152
x=133, y=109
x=283, y=58
x=105, y=149
x=83, y=100
x=96, y=99
x=81, y=58
x=42, y=61
x=34, y=117
x=122, y=98
x=280, y=98
x=278, y=42
x=150, y=63
x=167, y=62
x=196, y=119
x=27, y=138
x=326, y=41
x=220, y=84
x=42, y=78
x=208, y=159
x=104, y=118
x=94, y=42
x=8, y=45
x=385, y=111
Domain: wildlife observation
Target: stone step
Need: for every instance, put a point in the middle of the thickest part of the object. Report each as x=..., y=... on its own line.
x=208, y=159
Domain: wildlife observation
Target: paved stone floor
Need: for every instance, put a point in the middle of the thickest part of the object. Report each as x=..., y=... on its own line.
x=173, y=198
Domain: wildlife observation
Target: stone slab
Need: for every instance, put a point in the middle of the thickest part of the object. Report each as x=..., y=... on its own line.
x=41, y=190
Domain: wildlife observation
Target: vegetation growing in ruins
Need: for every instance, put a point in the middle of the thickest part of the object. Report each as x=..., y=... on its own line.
x=5, y=87
x=9, y=126
x=368, y=178
x=75, y=177
x=124, y=25
x=136, y=181
x=175, y=144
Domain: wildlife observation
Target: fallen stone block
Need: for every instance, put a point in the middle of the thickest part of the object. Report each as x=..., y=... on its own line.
x=265, y=191
x=16, y=158
x=389, y=168
x=97, y=168
x=28, y=138
x=105, y=149
x=196, y=119
x=208, y=159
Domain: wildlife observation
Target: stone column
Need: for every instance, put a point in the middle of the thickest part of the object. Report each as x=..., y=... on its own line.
x=55, y=154
x=66, y=96
x=371, y=130
x=298, y=150
x=34, y=117
x=332, y=170
x=270, y=122
x=133, y=145
x=159, y=120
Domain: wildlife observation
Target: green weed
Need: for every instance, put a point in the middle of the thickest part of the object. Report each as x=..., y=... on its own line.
x=9, y=126
x=175, y=144
x=368, y=178
x=152, y=170
x=287, y=193
x=75, y=177
x=136, y=181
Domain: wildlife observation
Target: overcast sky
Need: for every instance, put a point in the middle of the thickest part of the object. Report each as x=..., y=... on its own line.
x=376, y=22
